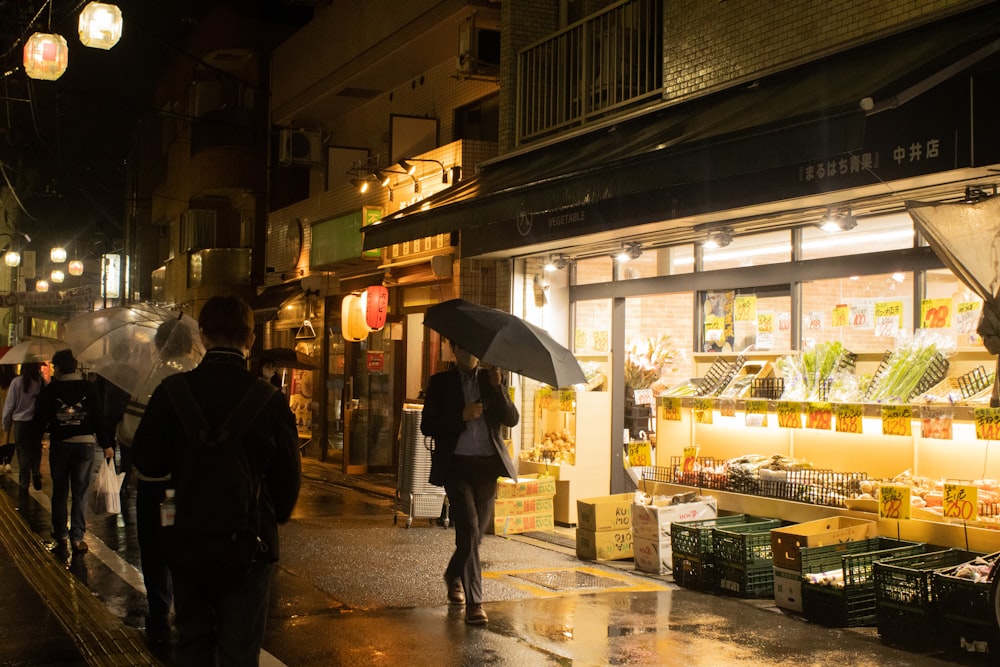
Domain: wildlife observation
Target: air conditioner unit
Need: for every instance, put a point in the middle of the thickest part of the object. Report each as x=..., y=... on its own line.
x=300, y=147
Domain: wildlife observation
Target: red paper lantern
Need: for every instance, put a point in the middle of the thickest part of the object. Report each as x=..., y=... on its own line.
x=46, y=56
x=377, y=306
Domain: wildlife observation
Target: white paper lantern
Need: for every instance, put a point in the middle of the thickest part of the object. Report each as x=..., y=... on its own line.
x=100, y=25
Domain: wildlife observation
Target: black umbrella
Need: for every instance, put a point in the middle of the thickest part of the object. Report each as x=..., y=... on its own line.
x=286, y=357
x=506, y=341
x=966, y=237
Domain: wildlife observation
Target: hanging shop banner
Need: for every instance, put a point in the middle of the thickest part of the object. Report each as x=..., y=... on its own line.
x=849, y=417
x=755, y=412
x=897, y=420
x=720, y=333
x=819, y=415
x=703, y=408
x=894, y=502
x=987, y=423
x=960, y=501
x=888, y=319
x=935, y=313
x=789, y=414
x=670, y=408
x=841, y=316
x=936, y=421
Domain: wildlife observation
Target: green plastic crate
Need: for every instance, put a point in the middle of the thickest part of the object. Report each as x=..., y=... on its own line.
x=691, y=546
x=854, y=604
x=746, y=544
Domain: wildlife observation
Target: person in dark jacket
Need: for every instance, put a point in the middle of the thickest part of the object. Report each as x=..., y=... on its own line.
x=70, y=410
x=221, y=614
x=464, y=409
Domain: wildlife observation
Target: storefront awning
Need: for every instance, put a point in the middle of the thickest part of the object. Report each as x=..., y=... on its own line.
x=649, y=167
x=270, y=298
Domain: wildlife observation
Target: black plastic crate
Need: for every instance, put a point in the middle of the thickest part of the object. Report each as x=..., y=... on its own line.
x=745, y=581
x=852, y=605
x=968, y=621
x=746, y=544
x=691, y=546
x=906, y=607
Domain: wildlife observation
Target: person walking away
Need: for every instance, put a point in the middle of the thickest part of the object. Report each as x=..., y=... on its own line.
x=195, y=430
x=18, y=416
x=69, y=409
x=174, y=346
x=7, y=374
x=464, y=409
x=114, y=399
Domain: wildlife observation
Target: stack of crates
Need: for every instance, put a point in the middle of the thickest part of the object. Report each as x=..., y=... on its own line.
x=691, y=550
x=741, y=555
x=906, y=607
x=968, y=612
x=853, y=603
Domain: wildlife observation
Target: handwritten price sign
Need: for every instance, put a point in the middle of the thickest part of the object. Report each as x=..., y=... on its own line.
x=789, y=414
x=987, y=423
x=755, y=411
x=849, y=417
x=765, y=323
x=670, y=408
x=745, y=309
x=935, y=313
x=894, y=502
x=703, y=410
x=690, y=456
x=819, y=415
x=961, y=502
x=841, y=315
x=640, y=453
x=897, y=420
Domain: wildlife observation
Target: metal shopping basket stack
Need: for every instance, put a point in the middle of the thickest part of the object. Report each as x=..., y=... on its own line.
x=415, y=496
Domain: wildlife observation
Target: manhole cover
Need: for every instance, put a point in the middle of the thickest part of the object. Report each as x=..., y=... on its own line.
x=562, y=580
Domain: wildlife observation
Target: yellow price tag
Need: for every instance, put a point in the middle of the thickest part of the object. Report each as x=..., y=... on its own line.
x=841, y=315
x=849, y=417
x=640, y=453
x=703, y=408
x=897, y=420
x=755, y=412
x=690, y=456
x=789, y=414
x=819, y=415
x=670, y=408
x=961, y=501
x=894, y=502
x=987, y=423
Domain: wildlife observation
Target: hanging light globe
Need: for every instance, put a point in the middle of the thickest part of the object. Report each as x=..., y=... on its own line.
x=41, y=285
x=57, y=276
x=12, y=258
x=75, y=267
x=46, y=56
x=100, y=25
x=57, y=255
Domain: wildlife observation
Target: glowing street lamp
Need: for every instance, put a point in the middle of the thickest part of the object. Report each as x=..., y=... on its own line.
x=46, y=56
x=12, y=258
x=41, y=285
x=75, y=267
x=100, y=25
x=57, y=255
x=57, y=276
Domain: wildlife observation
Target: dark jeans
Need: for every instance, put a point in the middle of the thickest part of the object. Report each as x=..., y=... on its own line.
x=155, y=574
x=71, y=464
x=220, y=617
x=28, y=439
x=471, y=487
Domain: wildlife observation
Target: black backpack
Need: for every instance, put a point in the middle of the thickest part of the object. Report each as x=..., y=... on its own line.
x=217, y=489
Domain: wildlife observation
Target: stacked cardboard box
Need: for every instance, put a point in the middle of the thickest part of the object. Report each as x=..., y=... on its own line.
x=651, y=529
x=787, y=544
x=604, y=527
x=524, y=505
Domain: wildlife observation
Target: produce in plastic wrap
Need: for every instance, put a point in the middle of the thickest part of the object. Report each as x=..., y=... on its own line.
x=908, y=364
x=806, y=373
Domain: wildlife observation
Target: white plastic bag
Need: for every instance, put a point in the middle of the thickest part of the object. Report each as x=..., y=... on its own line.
x=105, y=489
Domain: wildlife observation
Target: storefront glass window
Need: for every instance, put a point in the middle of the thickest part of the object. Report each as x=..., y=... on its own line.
x=864, y=313
x=737, y=321
x=952, y=308
x=754, y=250
x=594, y=270
x=658, y=327
x=888, y=232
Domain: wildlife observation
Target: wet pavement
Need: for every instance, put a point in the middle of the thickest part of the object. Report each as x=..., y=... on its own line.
x=356, y=587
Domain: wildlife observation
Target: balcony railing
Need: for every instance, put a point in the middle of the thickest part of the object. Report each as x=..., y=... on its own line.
x=607, y=62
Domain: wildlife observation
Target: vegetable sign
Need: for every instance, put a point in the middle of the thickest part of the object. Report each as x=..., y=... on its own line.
x=894, y=502
x=987, y=423
x=640, y=453
x=888, y=318
x=961, y=502
x=849, y=417
x=819, y=415
x=755, y=412
x=897, y=420
x=935, y=313
x=703, y=410
x=670, y=408
x=789, y=414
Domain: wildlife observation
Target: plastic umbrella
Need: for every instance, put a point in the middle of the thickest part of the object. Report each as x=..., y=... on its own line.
x=120, y=343
x=33, y=350
x=966, y=237
x=506, y=341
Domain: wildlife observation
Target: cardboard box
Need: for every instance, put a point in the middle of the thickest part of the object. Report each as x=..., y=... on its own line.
x=516, y=524
x=526, y=505
x=530, y=485
x=787, y=542
x=652, y=522
x=604, y=544
x=788, y=589
x=605, y=513
x=652, y=555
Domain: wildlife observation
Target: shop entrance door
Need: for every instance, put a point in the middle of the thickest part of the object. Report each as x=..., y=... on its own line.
x=369, y=400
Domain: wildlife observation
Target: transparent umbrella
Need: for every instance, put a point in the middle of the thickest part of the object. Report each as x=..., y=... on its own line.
x=966, y=237
x=33, y=349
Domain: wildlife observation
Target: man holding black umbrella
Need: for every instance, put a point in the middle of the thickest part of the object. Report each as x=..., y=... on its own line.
x=464, y=409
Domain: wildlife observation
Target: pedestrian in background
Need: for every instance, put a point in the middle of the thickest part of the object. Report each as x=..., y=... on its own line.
x=69, y=409
x=7, y=375
x=174, y=346
x=464, y=409
x=18, y=416
x=221, y=608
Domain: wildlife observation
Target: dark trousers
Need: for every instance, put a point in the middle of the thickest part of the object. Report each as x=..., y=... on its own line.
x=220, y=617
x=71, y=465
x=28, y=439
x=471, y=487
x=155, y=574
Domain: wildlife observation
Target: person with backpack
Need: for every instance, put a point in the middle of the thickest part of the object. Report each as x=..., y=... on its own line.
x=228, y=441
x=18, y=414
x=69, y=408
